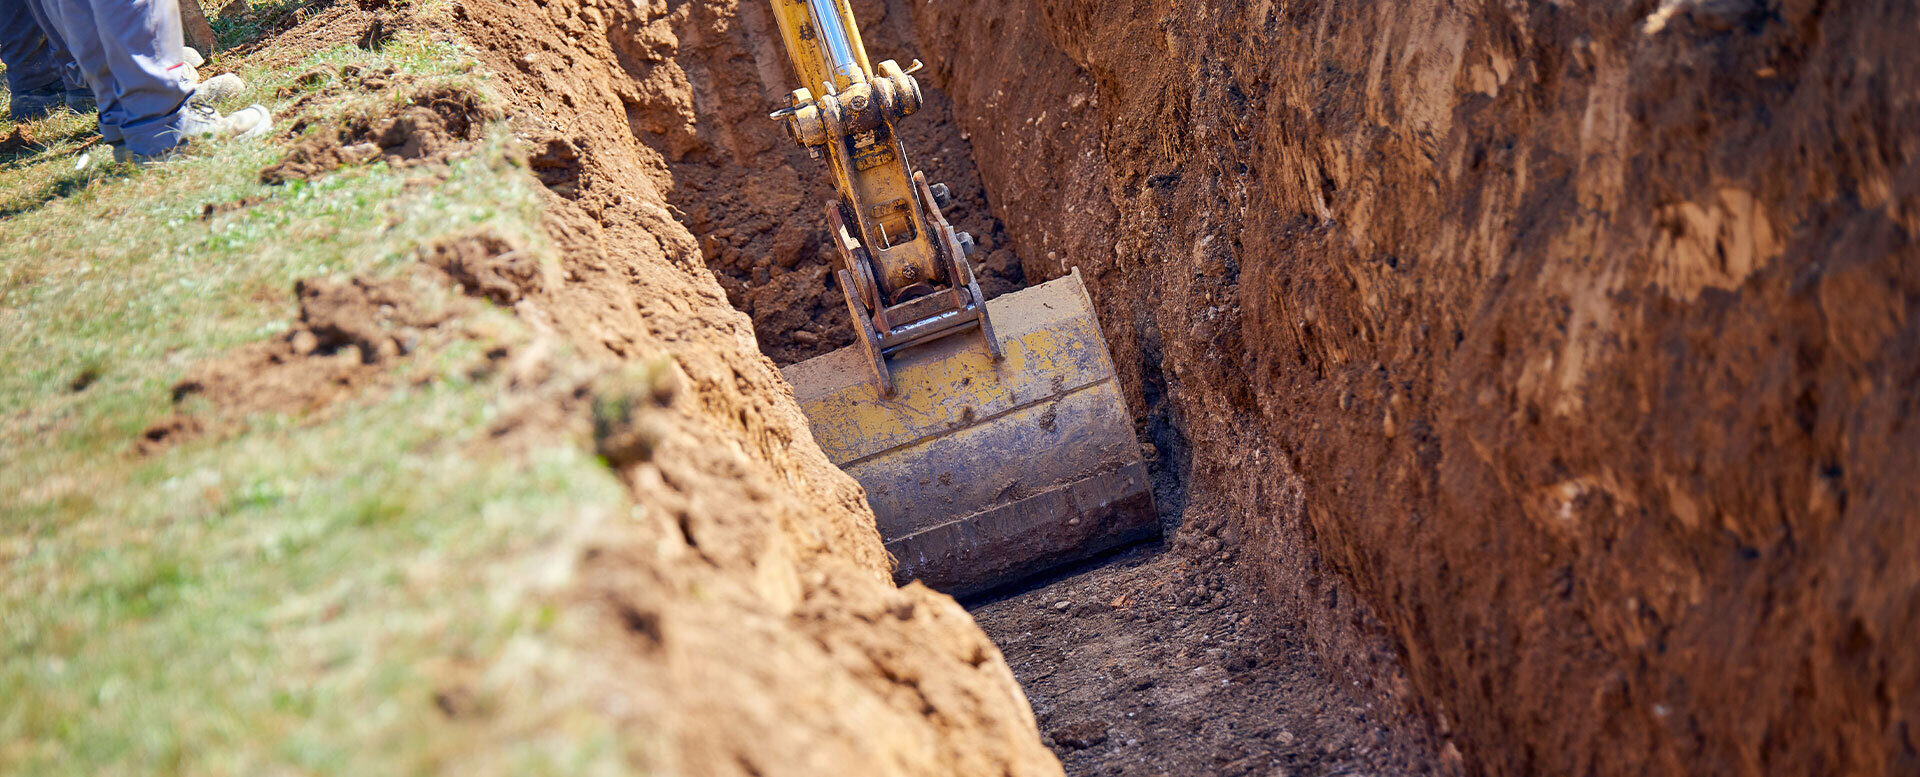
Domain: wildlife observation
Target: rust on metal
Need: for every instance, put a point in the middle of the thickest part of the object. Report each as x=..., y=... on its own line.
x=982, y=471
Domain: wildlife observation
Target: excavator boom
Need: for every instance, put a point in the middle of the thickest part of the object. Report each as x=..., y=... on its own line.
x=991, y=437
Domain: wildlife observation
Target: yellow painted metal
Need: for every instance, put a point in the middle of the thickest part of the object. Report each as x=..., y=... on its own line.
x=803, y=43
x=982, y=471
x=870, y=168
x=1055, y=354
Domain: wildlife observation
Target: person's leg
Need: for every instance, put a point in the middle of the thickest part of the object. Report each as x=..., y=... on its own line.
x=146, y=57
x=31, y=66
x=132, y=55
x=69, y=70
x=73, y=22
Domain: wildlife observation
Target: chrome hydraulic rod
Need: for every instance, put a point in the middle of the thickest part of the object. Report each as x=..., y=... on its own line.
x=833, y=36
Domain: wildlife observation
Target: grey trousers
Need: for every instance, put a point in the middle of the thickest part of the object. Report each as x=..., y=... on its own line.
x=33, y=61
x=131, y=54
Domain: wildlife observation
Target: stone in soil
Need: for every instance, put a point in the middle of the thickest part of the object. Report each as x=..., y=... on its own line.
x=1134, y=668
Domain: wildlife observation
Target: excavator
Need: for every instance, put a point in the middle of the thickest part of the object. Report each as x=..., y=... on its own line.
x=991, y=436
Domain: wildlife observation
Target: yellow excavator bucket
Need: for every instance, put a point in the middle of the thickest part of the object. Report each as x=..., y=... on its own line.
x=982, y=472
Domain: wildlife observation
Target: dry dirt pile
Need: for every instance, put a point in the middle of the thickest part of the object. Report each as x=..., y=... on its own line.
x=746, y=620
x=1565, y=351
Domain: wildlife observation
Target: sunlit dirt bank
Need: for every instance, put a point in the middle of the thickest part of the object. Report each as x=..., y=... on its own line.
x=1541, y=373
x=1564, y=354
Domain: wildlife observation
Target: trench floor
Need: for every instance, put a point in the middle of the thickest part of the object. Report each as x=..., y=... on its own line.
x=1142, y=664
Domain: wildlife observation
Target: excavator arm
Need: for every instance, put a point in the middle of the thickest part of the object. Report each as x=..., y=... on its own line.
x=905, y=268
x=985, y=460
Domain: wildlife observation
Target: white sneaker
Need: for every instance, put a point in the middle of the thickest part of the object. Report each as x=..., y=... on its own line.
x=202, y=121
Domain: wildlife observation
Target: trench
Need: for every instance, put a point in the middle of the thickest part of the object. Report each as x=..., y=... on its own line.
x=1355, y=265
x=1163, y=658
x=1159, y=658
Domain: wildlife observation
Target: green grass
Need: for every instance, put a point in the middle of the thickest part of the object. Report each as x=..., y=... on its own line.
x=259, y=19
x=290, y=594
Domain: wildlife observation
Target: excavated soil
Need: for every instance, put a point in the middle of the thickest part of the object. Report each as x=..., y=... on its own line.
x=1530, y=385
x=755, y=201
x=1161, y=662
x=428, y=127
x=1563, y=352
x=347, y=333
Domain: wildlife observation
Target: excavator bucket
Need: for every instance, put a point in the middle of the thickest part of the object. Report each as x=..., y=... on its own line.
x=983, y=472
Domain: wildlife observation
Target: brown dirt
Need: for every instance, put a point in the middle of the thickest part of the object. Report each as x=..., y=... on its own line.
x=433, y=126
x=746, y=619
x=1160, y=663
x=17, y=140
x=486, y=265
x=291, y=31
x=348, y=332
x=1562, y=353
x=754, y=197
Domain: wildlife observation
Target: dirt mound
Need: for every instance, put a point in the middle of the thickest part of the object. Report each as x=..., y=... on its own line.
x=378, y=319
x=297, y=28
x=1585, y=333
x=433, y=126
x=16, y=141
x=487, y=265
x=347, y=330
x=748, y=624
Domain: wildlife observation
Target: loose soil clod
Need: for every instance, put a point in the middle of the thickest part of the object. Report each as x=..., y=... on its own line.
x=435, y=126
x=17, y=140
x=489, y=266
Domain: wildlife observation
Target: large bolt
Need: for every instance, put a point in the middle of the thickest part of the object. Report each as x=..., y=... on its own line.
x=967, y=246
x=942, y=196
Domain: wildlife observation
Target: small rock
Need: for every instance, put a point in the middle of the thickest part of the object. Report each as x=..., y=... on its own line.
x=1080, y=735
x=1062, y=605
x=305, y=342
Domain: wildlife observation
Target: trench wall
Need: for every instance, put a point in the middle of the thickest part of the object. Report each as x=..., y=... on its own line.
x=741, y=616
x=1552, y=364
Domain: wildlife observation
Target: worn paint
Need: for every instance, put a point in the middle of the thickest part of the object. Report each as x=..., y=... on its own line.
x=964, y=441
